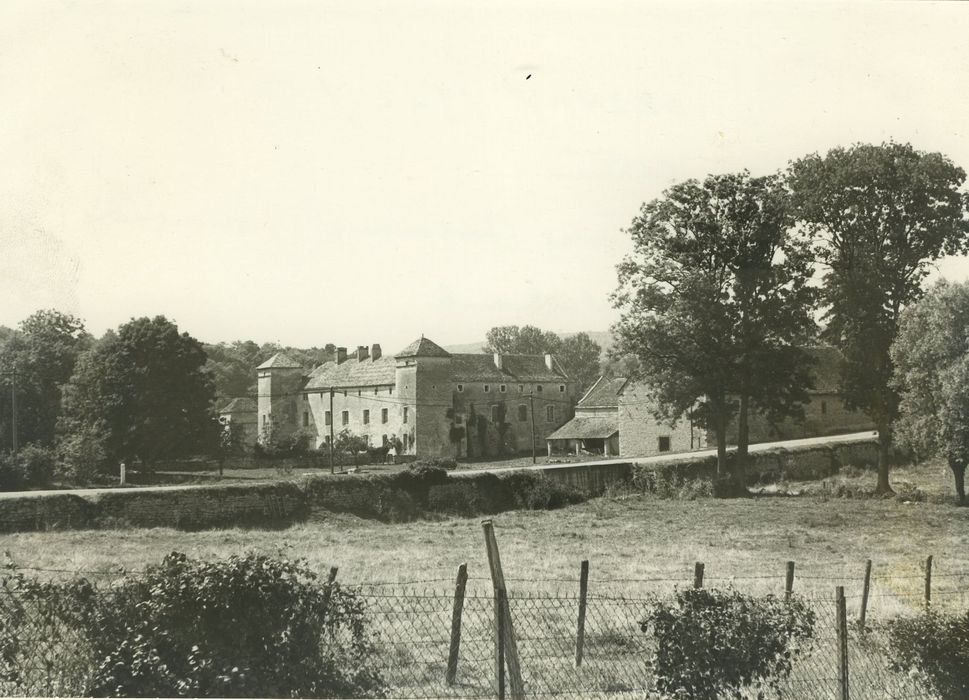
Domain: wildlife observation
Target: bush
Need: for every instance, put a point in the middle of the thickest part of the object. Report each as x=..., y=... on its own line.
x=249, y=626
x=712, y=643
x=936, y=647
x=30, y=466
x=83, y=455
x=535, y=491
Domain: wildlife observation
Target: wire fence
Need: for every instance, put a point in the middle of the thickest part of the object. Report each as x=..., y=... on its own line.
x=440, y=637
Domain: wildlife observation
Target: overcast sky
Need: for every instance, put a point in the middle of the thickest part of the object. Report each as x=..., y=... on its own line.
x=311, y=172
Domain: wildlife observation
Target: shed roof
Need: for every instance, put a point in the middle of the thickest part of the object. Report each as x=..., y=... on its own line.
x=241, y=404
x=280, y=361
x=587, y=428
x=603, y=394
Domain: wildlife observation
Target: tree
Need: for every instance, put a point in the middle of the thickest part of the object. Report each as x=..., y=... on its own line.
x=930, y=357
x=524, y=340
x=579, y=356
x=147, y=388
x=880, y=215
x=715, y=303
x=42, y=354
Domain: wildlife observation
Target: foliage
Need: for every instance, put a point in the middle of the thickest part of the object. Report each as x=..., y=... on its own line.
x=711, y=643
x=534, y=491
x=881, y=215
x=579, y=356
x=233, y=365
x=715, y=304
x=931, y=374
x=524, y=340
x=935, y=646
x=43, y=355
x=350, y=443
x=248, y=626
x=147, y=387
x=83, y=455
x=31, y=466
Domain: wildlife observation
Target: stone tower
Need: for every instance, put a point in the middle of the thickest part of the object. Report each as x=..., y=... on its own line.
x=279, y=379
x=424, y=389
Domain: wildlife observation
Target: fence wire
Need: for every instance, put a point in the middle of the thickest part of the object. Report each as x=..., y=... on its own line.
x=44, y=652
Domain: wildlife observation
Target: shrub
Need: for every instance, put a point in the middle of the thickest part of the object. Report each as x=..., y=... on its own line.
x=83, y=455
x=535, y=491
x=712, y=643
x=936, y=648
x=31, y=465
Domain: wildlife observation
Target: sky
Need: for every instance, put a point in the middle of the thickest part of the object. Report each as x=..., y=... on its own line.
x=364, y=172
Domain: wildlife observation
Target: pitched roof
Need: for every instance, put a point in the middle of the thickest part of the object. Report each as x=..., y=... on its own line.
x=423, y=347
x=280, y=361
x=603, y=394
x=471, y=367
x=587, y=427
x=242, y=404
x=353, y=373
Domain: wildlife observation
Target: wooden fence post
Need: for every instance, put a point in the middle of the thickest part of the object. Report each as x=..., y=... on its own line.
x=456, y=613
x=580, y=630
x=842, y=622
x=928, y=582
x=789, y=581
x=698, y=575
x=507, y=644
x=864, y=596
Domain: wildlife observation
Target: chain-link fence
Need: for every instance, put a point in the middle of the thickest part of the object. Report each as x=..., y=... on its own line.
x=440, y=637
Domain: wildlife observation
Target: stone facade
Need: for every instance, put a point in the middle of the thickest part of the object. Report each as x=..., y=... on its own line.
x=438, y=404
x=640, y=434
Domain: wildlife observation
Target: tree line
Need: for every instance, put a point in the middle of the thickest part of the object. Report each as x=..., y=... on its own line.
x=733, y=276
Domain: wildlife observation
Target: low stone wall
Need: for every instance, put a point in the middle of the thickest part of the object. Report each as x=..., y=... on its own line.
x=401, y=496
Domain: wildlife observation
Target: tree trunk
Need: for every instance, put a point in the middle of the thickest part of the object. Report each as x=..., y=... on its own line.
x=884, y=457
x=958, y=468
x=743, y=440
x=721, y=447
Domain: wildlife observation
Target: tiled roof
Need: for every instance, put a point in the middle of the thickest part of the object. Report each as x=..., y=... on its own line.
x=280, y=361
x=353, y=373
x=423, y=347
x=470, y=367
x=242, y=404
x=587, y=427
x=603, y=394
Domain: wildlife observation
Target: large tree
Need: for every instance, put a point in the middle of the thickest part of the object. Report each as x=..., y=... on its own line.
x=931, y=374
x=521, y=340
x=579, y=356
x=146, y=386
x=880, y=215
x=38, y=359
x=715, y=304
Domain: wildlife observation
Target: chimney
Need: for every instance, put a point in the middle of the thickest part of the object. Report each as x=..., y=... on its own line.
x=498, y=362
x=375, y=351
x=548, y=362
x=340, y=355
x=362, y=353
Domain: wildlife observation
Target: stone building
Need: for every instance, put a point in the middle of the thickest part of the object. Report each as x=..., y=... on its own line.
x=240, y=414
x=595, y=427
x=435, y=403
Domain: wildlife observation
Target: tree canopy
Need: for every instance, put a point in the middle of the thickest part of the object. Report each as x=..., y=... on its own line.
x=42, y=354
x=147, y=388
x=715, y=303
x=880, y=216
x=931, y=374
x=578, y=354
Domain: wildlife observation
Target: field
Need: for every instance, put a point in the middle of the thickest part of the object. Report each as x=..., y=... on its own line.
x=637, y=546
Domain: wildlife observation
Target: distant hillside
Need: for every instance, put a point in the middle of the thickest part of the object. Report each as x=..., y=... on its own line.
x=604, y=338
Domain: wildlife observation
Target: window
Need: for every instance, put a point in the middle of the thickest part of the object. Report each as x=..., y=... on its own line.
x=538, y=388
x=502, y=388
x=345, y=417
x=327, y=439
x=664, y=443
x=327, y=418
x=561, y=388
x=406, y=411
x=375, y=390
x=487, y=388
x=306, y=397
x=824, y=408
x=306, y=418
x=522, y=413
x=550, y=413
x=460, y=388
x=366, y=416
x=495, y=418
x=264, y=419
x=383, y=440
x=383, y=415
x=521, y=388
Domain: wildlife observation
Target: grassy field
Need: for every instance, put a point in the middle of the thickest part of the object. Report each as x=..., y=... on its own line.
x=637, y=545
